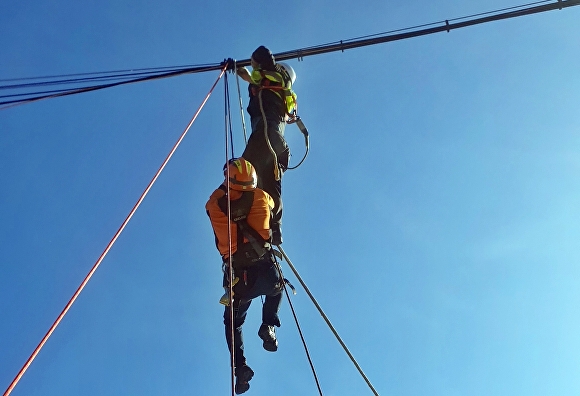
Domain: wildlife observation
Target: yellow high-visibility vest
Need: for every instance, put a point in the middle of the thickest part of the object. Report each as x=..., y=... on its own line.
x=275, y=82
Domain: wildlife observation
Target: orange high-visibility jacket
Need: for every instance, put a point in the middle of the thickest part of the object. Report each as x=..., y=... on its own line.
x=258, y=218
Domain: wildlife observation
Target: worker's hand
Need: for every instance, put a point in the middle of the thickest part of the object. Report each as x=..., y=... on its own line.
x=244, y=74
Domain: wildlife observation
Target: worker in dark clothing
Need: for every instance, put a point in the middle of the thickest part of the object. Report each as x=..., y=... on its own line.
x=254, y=268
x=271, y=102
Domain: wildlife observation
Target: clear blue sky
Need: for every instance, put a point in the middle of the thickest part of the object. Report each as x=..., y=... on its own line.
x=436, y=219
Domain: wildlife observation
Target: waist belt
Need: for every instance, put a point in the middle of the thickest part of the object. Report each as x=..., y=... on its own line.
x=248, y=255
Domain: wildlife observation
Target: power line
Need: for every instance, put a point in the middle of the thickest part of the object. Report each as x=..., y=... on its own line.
x=72, y=91
x=444, y=26
x=148, y=69
x=128, y=76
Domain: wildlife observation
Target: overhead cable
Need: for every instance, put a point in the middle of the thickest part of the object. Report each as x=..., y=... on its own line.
x=444, y=26
x=72, y=91
x=342, y=45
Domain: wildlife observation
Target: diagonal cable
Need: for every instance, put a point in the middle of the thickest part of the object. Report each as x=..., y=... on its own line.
x=299, y=330
x=327, y=321
x=109, y=246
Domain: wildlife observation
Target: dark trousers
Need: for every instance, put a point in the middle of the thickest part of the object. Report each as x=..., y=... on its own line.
x=262, y=279
x=259, y=155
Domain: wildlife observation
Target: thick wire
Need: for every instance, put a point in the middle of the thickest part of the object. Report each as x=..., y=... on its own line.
x=327, y=320
x=110, y=245
x=73, y=91
x=445, y=27
x=123, y=76
x=342, y=45
x=299, y=329
x=110, y=72
x=440, y=22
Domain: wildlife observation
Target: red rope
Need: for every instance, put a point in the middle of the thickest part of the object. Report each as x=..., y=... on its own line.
x=110, y=245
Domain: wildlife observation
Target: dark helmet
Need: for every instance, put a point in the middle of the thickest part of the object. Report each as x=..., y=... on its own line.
x=264, y=57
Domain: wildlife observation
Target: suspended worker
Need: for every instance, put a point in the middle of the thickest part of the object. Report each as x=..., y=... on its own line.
x=272, y=103
x=255, y=271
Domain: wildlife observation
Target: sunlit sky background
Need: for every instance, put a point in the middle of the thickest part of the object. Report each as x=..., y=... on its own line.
x=436, y=218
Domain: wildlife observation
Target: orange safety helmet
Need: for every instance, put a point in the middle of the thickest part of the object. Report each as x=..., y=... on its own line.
x=242, y=174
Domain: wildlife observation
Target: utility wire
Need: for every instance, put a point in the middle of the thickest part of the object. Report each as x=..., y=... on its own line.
x=107, y=77
x=110, y=245
x=50, y=94
x=445, y=26
x=149, y=69
x=440, y=22
x=342, y=45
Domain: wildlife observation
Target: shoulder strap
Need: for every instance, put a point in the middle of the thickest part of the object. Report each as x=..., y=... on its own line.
x=240, y=208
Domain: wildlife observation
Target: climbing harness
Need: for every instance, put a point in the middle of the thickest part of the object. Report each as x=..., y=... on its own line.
x=247, y=253
x=280, y=83
x=292, y=118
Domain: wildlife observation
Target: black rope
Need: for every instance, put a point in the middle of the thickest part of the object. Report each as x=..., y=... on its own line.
x=306, y=135
x=230, y=253
x=228, y=114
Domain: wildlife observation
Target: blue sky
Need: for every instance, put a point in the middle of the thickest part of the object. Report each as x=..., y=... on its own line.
x=436, y=218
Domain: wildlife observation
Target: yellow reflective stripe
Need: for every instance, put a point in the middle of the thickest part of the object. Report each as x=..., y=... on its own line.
x=238, y=165
x=258, y=75
x=288, y=96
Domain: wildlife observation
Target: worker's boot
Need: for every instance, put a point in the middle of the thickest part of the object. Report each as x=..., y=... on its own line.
x=243, y=376
x=268, y=335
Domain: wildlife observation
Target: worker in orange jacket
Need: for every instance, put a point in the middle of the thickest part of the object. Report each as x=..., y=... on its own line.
x=254, y=267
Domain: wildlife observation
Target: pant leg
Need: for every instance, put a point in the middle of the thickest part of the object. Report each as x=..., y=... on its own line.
x=259, y=155
x=264, y=280
x=273, y=298
x=240, y=311
x=270, y=310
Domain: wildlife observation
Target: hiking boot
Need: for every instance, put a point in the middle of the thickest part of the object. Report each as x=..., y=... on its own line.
x=243, y=375
x=268, y=335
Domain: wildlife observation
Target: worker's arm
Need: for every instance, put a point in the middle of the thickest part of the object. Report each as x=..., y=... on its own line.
x=245, y=74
